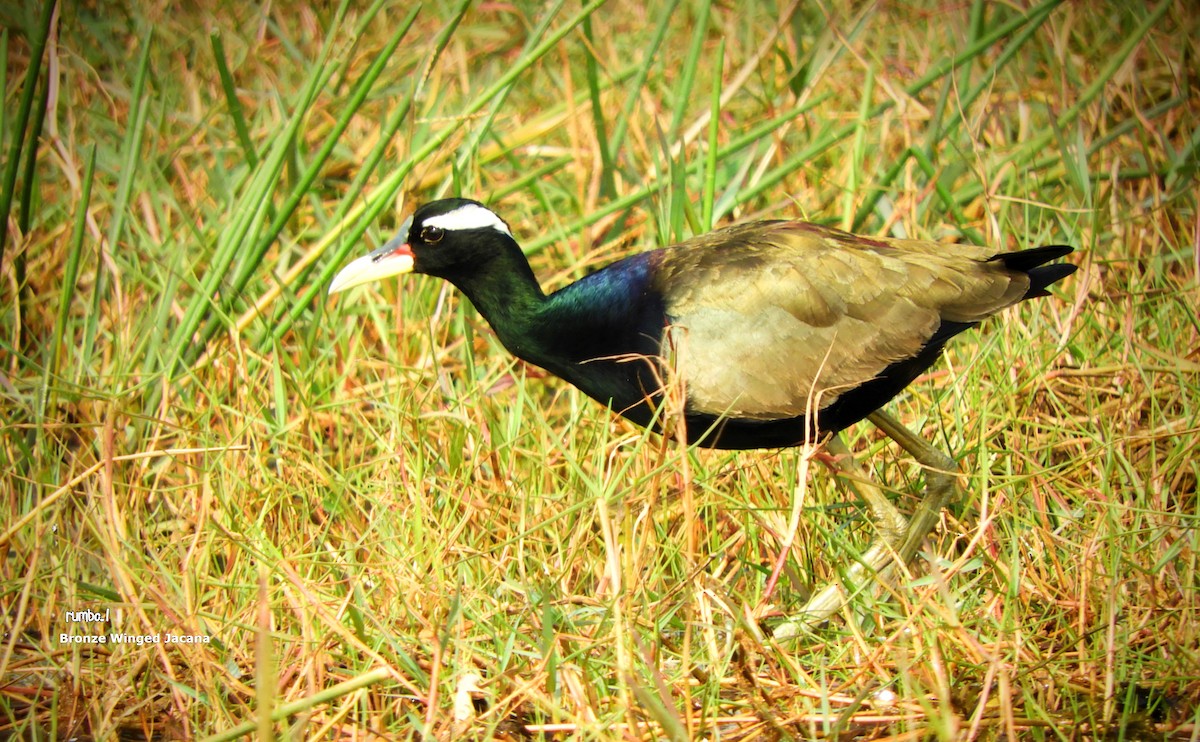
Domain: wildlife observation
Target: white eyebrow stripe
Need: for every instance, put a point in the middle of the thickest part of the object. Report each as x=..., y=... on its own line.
x=471, y=216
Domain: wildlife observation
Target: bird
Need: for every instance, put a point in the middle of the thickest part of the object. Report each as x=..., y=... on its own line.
x=777, y=333
x=780, y=331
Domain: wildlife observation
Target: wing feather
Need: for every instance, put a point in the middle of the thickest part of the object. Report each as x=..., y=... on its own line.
x=776, y=318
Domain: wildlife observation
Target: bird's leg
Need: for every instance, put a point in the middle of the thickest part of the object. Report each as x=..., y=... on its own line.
x=872, y=564
x=899, y=538
x=890, y=522
x=940, y=474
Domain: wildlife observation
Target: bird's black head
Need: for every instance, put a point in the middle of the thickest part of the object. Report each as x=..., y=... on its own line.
x=452, y=239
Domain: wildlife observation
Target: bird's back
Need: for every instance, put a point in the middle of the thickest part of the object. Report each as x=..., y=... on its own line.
x=784, y=317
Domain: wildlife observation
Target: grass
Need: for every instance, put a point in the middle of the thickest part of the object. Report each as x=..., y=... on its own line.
x=362, y=505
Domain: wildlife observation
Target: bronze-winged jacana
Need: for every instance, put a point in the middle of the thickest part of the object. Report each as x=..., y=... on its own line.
x=762, y=322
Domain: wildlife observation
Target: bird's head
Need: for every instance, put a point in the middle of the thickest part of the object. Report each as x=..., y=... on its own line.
x=451, y=238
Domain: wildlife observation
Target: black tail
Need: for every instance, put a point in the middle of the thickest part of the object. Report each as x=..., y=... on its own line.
x=1031, y=263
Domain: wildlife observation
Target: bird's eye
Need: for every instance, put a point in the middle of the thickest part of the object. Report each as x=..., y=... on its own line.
x=432, y=234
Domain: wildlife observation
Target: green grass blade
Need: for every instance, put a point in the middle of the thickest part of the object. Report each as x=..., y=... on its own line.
x=21, y=125
x=858, y=148
x=681, y=102
x=3, y=86
x=31, y=159
x=714, y=129
x=232, y=102
x=71, y=273
x=608, y=184
x=131, y=163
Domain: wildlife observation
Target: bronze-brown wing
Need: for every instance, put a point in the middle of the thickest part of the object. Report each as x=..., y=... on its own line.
x=773, y=319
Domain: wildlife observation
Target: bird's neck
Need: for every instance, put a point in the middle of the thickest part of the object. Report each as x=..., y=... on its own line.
x=508, y=295
x=606, y=314
x=590, y=332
